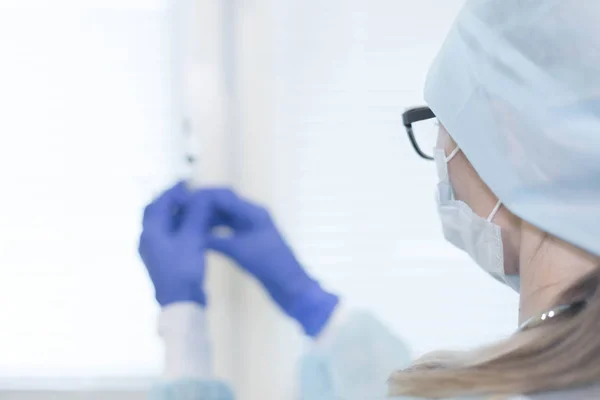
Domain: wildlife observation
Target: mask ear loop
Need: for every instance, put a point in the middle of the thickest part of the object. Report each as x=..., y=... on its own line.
x=451, y=156
x=494, y=211
x=498, y=204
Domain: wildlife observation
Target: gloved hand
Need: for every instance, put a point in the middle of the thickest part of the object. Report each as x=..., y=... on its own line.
x=172, y=244
x=257, y=245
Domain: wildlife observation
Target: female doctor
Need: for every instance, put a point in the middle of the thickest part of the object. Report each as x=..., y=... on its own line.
x=516, y=88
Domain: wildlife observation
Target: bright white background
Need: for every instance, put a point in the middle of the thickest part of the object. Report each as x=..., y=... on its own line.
x=87, y=134
x=314, y=91
x=357, y=200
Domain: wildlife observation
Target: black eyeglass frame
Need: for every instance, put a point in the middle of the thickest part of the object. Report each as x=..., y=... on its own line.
x=411, y=116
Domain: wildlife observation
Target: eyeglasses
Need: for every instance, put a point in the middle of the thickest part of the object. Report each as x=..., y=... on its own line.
x=425, y=139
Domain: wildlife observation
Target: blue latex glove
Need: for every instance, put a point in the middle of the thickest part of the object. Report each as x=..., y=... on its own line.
x=259, y=248
x=172, y=244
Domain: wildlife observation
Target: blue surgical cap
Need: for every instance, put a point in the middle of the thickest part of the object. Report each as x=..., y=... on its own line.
x=517, y=86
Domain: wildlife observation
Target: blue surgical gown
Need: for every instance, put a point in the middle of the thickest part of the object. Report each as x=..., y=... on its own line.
x=354, y=364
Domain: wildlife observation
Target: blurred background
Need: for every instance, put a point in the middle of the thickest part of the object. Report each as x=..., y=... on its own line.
x=295, y=103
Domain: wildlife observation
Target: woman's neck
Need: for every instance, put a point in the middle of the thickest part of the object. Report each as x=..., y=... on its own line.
x=548, y=266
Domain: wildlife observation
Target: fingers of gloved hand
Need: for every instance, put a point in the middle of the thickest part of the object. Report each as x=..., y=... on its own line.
x=239, y=213
x=159, y=215
x=201, y=214
x=197, y=214
x=224, y=245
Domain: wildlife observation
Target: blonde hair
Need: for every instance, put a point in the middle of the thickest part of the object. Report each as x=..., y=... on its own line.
x=561, y=354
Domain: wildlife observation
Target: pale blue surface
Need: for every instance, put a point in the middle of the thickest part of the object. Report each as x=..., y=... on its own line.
x=192, y=390
x=517, y=85
x=356, y=365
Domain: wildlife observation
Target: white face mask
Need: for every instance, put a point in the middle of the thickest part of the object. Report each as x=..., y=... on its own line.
x=479, y=237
